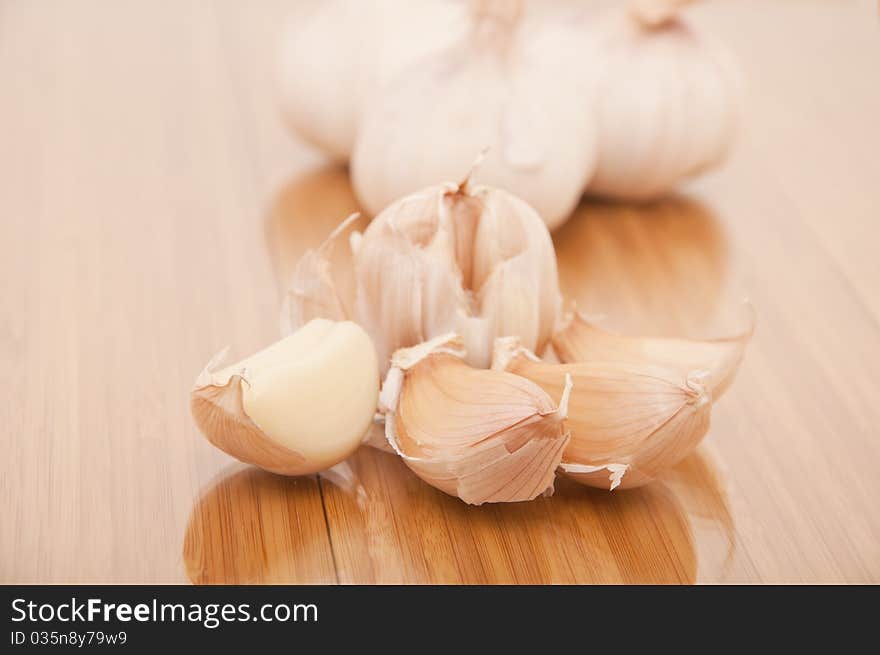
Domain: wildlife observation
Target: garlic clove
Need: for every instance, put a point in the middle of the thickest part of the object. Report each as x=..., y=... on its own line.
x=511, y=300
x=299, y=406
x=406, y=293
x=578, y=340
x=632, y=419
x=516, y=275
x=481, y=435
x=394, y=315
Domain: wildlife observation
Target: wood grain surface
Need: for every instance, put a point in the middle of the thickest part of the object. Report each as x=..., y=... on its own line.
x=152, y=205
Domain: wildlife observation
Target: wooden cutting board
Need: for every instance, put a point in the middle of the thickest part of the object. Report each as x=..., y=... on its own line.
x=152, y=208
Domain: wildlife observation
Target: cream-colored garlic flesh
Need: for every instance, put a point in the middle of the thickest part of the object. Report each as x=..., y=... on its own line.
x=313, y=392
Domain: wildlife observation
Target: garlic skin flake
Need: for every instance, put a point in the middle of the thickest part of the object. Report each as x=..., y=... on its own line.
x=299, y=406
x=503, y=87
x=336, y=53
x=665, y=99
x=484, y=436
x=315, y=289
x=628, y=421
x=475, y=261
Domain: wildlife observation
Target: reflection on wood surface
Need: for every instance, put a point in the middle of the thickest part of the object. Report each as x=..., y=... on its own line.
x=249, y=528
x=246, y=529
x=656, y=268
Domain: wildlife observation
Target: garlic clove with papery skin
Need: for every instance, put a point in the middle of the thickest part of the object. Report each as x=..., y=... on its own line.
x=629, y=421
x=665, y=98
x=504, y=87
x=579, y=340
x=297, y=407
x=481, y=435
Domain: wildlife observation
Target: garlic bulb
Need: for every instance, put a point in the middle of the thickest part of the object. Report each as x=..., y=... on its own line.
x=475, y=261
x=484, y=436
x=300, y=406
x=629, y=420
x=336, y=53
x=578, y=340
x=503, y=87
x=665, y=101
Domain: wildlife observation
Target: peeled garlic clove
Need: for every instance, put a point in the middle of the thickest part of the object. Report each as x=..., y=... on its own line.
x=336, y=53
x=578, y=340
x=455, y=258
x=481, y=435
x=503, y=87
x=666, y=103
x=300, y=406
x=628, y=421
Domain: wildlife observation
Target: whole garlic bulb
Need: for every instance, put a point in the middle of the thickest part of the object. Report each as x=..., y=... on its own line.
x=336, y=52
x=451, y=258
x=503, y=88
x=666, y=100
